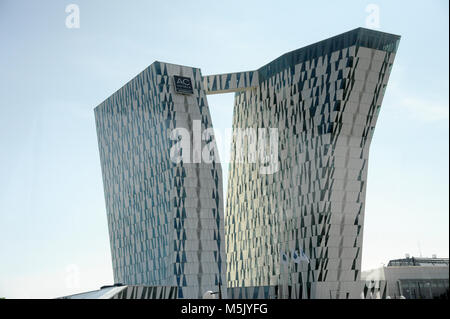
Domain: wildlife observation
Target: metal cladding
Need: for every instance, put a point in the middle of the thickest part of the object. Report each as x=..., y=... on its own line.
x=301, y=228
x=165, y=218
x=293, y=222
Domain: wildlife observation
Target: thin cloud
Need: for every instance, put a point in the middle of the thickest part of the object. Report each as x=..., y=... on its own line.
x=429, y=111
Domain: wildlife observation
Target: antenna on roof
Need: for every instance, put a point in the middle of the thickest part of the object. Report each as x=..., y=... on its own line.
x=420, y=251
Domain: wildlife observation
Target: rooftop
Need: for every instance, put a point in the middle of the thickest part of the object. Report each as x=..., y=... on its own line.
x=360, y=37
x=418, y=261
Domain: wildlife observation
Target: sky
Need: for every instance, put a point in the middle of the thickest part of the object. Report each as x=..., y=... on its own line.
x=53, y=228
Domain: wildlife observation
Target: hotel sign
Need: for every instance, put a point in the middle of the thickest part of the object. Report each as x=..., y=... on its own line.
x=183, y=85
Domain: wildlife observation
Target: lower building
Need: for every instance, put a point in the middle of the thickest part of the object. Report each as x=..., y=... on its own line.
x=409, y=278
x=128, y=292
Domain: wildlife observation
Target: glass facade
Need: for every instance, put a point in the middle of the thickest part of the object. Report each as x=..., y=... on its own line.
x=301, y=227
x=165, y=217
x=295, y=232
x=425, y=288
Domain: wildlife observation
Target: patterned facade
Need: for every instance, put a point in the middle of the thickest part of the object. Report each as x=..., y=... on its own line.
x=230, y=82
x=295, y=232
x=301, y=228
x=165, y=217
x=128, y=292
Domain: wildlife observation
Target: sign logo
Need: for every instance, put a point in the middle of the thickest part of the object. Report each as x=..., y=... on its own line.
x=183, y=85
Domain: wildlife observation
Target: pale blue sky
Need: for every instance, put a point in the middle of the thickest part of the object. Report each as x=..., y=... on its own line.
x=52, y=210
